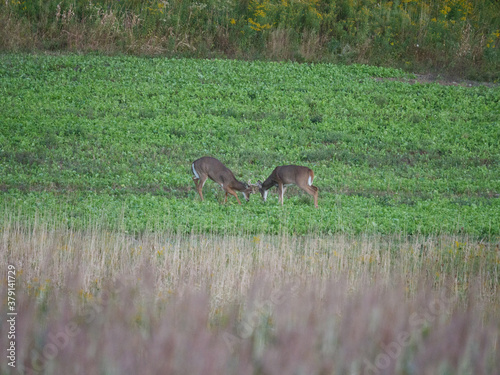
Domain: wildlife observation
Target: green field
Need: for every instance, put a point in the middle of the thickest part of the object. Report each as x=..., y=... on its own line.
x=92, y=139
x=114, y=265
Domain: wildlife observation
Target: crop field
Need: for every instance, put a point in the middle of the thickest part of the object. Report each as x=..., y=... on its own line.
x=114, y=265
x=91, y=138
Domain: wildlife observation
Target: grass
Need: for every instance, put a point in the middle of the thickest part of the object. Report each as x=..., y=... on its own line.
x=121, y=268
x=86, y=137
x=451, y=37
x=206, y=303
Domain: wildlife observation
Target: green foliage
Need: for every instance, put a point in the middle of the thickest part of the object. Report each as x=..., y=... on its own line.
x=458, y=37
x=90, y=138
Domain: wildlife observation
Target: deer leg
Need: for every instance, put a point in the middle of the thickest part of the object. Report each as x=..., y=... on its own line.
x=315, y=195
x=231, y=191
x=316, y=192
x=199, y=184
x=311, y=190
x=280, y=193
x=196, y=181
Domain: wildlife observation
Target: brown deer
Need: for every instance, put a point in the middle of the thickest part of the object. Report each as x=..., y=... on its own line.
x=208, y=167
x=287, y=175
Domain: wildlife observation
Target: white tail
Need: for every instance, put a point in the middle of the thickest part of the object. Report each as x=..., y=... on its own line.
x=208, y=167
x=194, y=171
x=286, y=175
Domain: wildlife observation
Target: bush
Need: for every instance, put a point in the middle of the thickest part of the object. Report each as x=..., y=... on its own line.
x=453, y=36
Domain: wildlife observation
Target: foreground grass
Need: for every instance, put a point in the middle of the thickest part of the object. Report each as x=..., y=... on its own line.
x=92, y=138
x=204, y=303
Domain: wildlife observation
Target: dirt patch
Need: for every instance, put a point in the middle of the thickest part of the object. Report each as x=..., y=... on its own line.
x=439, y=79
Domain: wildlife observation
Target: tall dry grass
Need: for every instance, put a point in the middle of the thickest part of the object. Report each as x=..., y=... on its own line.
x=108, y=302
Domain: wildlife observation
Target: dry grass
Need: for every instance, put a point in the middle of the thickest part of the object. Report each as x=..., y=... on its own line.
x=107, y=302
x=310, y=46
x=279, y=46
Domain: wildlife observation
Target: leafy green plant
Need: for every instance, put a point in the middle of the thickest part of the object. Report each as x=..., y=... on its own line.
x=85, y=136
x=454, y=37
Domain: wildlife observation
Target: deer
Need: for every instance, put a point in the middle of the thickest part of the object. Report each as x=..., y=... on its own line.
x=287, y=175
x=208, y=167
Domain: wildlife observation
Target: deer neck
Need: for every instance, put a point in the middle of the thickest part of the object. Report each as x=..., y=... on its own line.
x=238, y=185
x=269, y=183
